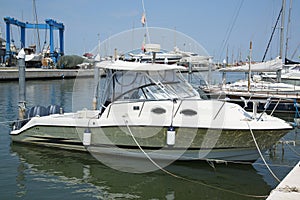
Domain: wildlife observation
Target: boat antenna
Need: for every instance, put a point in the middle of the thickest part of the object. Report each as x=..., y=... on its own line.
x=144, y=21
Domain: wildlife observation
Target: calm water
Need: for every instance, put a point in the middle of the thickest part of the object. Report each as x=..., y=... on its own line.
x=29, y=172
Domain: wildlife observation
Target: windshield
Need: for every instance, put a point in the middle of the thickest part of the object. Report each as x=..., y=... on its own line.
x=150, y=85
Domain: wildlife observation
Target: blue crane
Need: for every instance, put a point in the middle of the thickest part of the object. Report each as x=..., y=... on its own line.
x=50, y=24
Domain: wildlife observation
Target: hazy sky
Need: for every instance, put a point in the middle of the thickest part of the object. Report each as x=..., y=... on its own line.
x=215, y=24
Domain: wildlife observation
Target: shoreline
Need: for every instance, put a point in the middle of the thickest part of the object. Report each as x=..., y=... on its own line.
x=12, y=74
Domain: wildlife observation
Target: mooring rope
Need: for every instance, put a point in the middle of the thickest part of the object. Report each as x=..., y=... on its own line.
x=185, y=179
x=262, y=155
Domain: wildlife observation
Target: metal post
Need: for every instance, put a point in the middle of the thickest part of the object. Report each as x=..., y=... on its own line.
x=51, y=43
x=278, y=75
x=22, y=86
x=224, y=73
x=190, y=73
x=209, y=71
x=287, y=30
x=281, y=39
x=8, y=52
x=116, y=54
x=96, y=84
x=249, y=70
x=61, y=42
x=22, y=37
x=281, y=30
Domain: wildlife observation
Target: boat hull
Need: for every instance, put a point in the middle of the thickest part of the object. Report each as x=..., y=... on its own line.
x=140, y=141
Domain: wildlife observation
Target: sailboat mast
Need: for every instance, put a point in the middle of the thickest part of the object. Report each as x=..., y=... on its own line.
x=278, y=73
x=281, y=29
x=36, y=21
x=287, y=29
x=249, y=70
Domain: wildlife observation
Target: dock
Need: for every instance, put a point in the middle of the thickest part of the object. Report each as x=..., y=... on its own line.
x=289, y=187
x=8, y=74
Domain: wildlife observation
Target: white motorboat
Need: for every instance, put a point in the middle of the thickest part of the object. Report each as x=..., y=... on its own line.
x=31, y=55
x=197, y=62
x=161, y=57
x=149, y=110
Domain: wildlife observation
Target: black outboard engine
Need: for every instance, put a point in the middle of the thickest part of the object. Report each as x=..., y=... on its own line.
x=36, y=111
x=55, y=109
x=32, y=112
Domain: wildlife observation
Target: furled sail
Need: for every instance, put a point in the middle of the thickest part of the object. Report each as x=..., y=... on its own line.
x=267, y=66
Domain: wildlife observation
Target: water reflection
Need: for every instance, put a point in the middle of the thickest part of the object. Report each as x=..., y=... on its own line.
x=87, y=177
x=43, y=172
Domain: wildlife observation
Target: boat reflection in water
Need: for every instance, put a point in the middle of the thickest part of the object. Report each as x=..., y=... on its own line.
x=71, y=175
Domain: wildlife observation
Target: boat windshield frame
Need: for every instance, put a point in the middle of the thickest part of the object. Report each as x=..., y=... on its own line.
x=125, y=85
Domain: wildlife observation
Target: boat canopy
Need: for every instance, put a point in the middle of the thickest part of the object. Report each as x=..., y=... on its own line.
x=134, y=81
x=136, y=66
x=268, y=66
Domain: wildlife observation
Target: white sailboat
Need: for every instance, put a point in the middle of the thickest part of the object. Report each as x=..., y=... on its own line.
x=282, y=96
x=290, y=73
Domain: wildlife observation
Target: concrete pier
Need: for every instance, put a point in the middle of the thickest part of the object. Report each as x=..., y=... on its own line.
x=289, y=187
x=38, y=73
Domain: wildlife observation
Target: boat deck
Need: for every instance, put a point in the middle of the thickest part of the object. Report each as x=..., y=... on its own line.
x=289, y=187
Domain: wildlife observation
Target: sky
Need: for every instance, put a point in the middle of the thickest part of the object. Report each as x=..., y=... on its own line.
x=222, y=27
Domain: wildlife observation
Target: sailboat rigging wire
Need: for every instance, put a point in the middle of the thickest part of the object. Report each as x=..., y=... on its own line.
x=229, y=30
x=45, y=42
x=268, y=46
x=36, y=21
x=294, y=53
x=183, y=178
x=257, y=147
